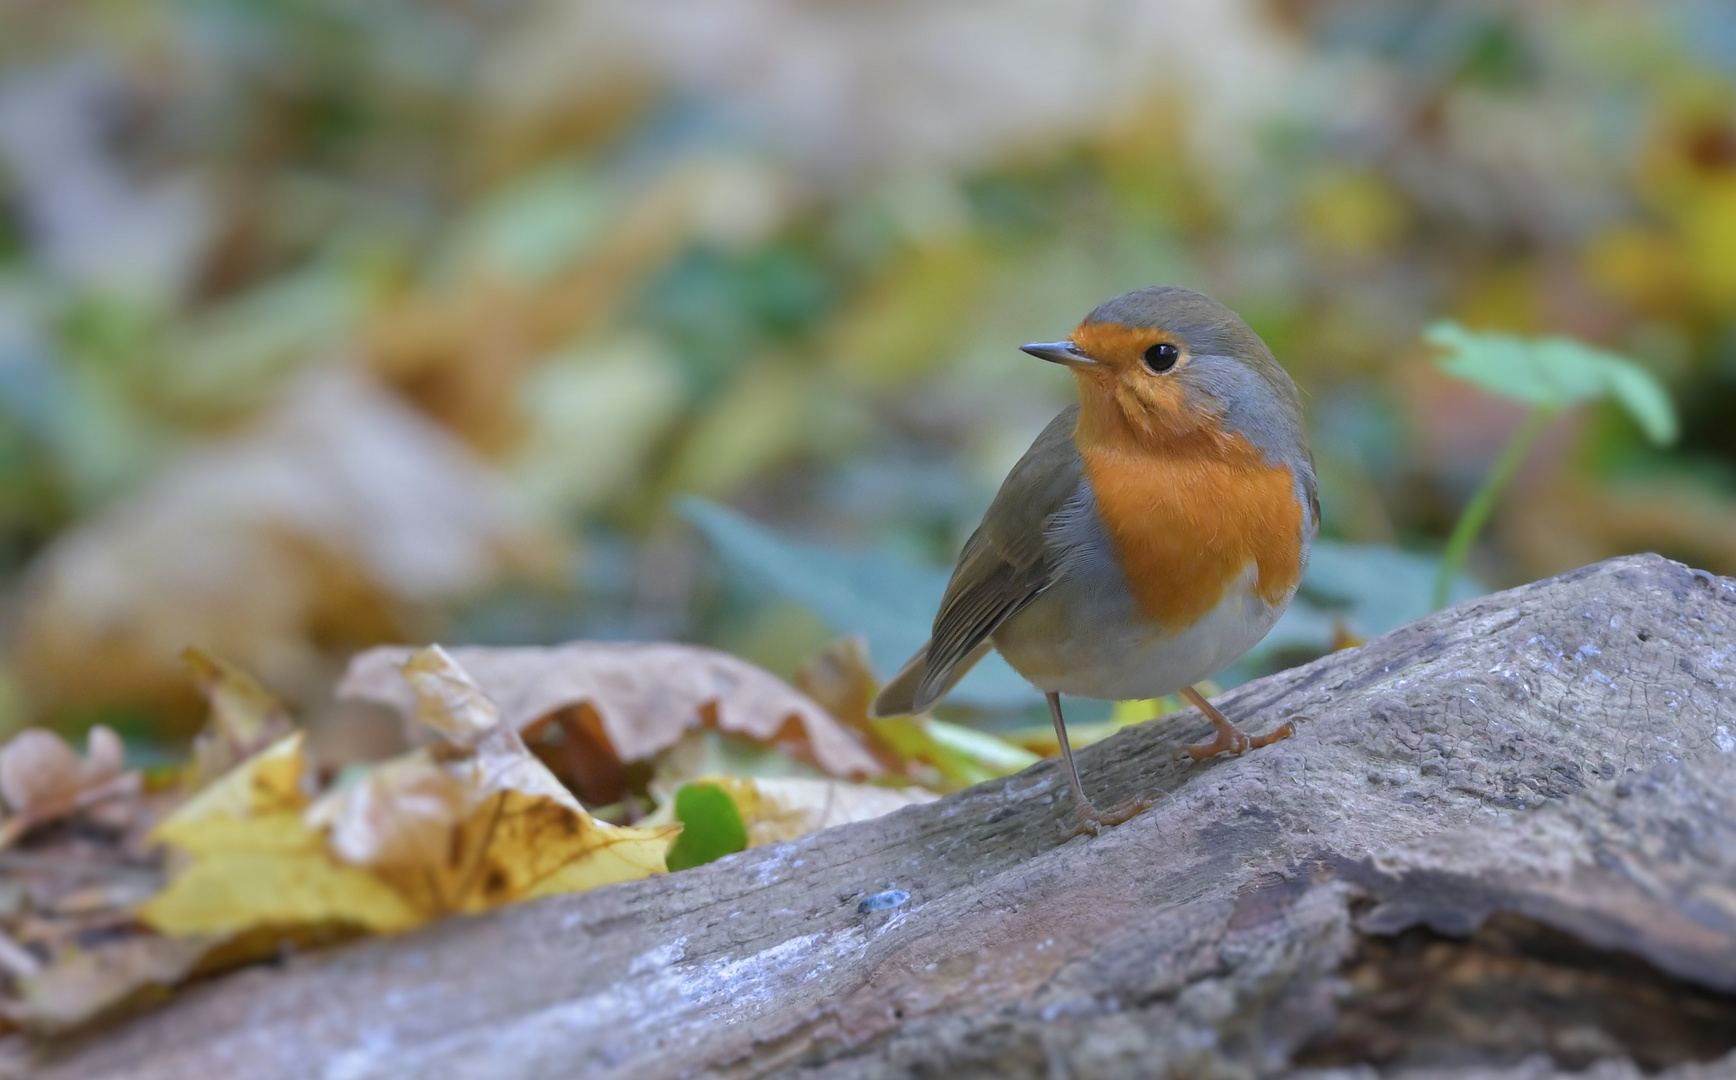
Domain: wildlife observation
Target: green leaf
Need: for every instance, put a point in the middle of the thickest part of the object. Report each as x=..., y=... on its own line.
x=889, y=600
x=1555, y=373
x=1369, y=588
x=1646, y=400
x=912, y=739
x=535, y=227
x=711, y=826
x=992, y=751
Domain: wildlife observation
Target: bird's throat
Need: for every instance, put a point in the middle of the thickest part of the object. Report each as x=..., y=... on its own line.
x=1114, y=413
x=1189, y=513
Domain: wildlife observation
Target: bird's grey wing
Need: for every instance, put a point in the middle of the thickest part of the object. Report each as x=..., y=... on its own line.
x=1006, y=562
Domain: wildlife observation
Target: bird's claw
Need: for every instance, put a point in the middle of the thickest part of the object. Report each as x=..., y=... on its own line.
x=1089, y=819
x=1237, y=741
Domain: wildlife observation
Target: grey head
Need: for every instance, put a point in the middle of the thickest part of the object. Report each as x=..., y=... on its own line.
x=1168, y=358
x=1228, y=371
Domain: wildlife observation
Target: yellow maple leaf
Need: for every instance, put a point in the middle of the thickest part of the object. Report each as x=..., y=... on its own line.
x=255, y=862
x=469, y=824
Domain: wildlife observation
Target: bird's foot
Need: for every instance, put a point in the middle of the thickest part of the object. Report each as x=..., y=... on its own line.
x=1236, y=741
x=1089, y=819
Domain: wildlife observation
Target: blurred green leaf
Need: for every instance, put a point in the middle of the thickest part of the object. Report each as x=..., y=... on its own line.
x=887, y=599
x=605, y=404
x=912, y=738
x=992, y=751
x=711, y=826
x=720, y=308
x=1374, y=588
x=536, y=226
x=1364, y=590
x=1554, y=373
x=234, y=354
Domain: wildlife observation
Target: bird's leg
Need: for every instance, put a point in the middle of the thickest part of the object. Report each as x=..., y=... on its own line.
x=1091, y=819
x=1229, y=737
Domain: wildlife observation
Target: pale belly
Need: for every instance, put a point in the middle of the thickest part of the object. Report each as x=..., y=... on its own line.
x=1083, y=636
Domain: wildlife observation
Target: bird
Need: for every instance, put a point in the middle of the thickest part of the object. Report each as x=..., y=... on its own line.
x=1152, y=534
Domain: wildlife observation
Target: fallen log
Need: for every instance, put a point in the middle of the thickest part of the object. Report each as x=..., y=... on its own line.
x=1503, y=838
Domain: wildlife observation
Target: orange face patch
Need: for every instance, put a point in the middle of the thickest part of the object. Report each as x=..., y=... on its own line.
x=1121, y=346
x=1188, y=516
x=1150, y=403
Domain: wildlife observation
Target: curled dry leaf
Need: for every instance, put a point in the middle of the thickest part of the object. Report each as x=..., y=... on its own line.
x=447, y=698
x=641, y=696
x=400, y=815
x=245, y=716
x=42, y=778
x=478, y=822
x=783, y=808
x=38, y=769
x=840, y=678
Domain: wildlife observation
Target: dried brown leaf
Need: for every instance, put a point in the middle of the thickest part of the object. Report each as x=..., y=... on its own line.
x=90, y=982
x=476, y=821
x=38, y=768
x=42, y=778
x=245, y=716
x=401, y=814
x=840, y=678
x=645, y=695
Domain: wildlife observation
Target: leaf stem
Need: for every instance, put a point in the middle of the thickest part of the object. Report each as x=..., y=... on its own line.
x=1482, y=504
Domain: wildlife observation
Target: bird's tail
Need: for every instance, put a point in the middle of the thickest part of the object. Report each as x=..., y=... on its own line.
x=899, y=697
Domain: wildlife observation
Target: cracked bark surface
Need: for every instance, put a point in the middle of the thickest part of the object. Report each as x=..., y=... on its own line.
x=1502, y=843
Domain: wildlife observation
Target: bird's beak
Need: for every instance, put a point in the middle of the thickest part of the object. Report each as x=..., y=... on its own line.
x=1059, y=352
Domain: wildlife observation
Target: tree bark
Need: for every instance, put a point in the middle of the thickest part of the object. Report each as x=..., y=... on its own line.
x=1502, y=842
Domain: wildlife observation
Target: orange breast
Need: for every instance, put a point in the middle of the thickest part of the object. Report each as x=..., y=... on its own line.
x=1186, y=519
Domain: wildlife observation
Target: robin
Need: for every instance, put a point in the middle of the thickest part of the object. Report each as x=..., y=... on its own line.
x=1151, y=535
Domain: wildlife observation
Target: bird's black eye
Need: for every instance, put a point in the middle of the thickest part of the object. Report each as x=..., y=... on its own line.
x=1161, y=357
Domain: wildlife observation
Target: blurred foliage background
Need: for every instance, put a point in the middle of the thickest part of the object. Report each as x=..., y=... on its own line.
x=325, y=324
